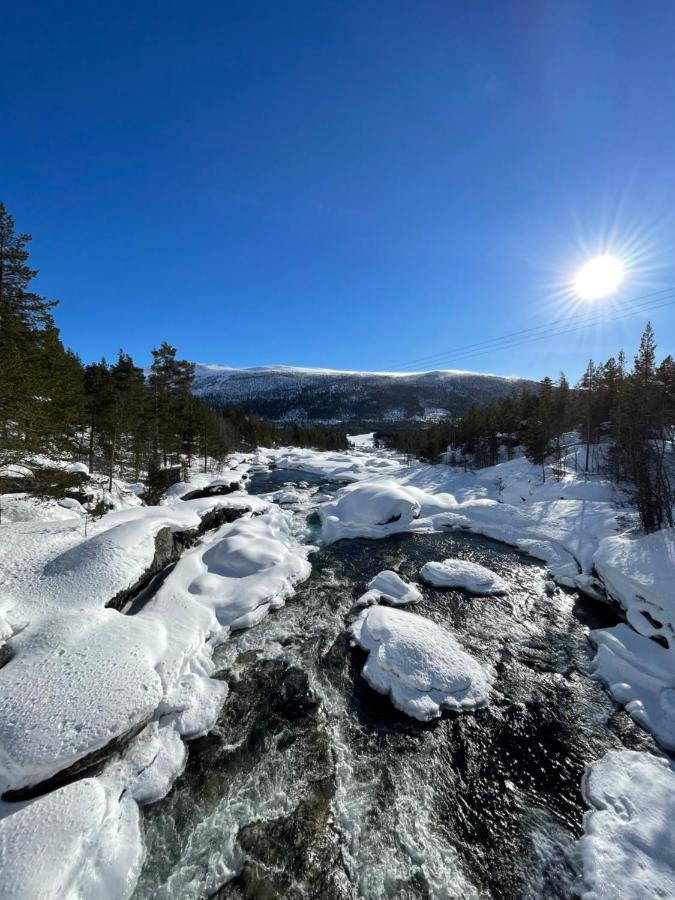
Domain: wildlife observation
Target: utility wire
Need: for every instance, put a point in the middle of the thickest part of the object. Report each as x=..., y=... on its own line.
x=561, y=332
x=645, y=303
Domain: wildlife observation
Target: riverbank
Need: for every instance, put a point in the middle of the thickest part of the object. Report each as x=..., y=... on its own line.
x=109, y=698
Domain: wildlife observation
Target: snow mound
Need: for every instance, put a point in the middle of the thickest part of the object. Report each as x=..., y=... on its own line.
x=390, y=588
x=418, y=664
x=628, y=850
x=639, y=573
x=462, y=573
x=367, y=508
x=80, y=841
x=246, y=569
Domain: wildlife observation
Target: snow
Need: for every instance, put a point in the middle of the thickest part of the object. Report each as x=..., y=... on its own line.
x=628, y=849
x=462, y=573
x=80, y=841
x=362, y=441
x=77, y=469
x=638, y=571
x=508, y=502
x=391, y=589
x=367, y=509
x=419, y=664
x=85, y=679
x=241, y=571
x=340, y=467
x=227, y=371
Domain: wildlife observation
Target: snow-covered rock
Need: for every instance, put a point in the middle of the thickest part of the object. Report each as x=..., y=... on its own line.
x=638, y=571
x=419, y=664
x=628, y=850
x=462, y=573
x=369, y=509
x=639, y=674
x=241, y=571
x=637, y=661
x=80, y=841
x=338, y=467
x=77, y=468
x=391, y=589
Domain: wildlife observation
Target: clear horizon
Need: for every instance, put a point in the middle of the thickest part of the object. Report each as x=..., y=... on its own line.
x=326, y=186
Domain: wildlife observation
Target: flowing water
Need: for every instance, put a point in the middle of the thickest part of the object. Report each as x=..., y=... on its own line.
x=313, y=785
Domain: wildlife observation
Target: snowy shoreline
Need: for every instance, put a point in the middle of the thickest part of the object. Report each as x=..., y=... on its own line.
x=82, y=676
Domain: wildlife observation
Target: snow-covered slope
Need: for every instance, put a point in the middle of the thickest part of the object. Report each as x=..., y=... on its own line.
x=288, y=394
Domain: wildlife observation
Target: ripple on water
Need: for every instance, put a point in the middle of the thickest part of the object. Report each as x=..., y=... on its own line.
x=313, y=785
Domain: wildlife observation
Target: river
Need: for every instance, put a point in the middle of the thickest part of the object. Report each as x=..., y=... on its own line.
x=313, y=785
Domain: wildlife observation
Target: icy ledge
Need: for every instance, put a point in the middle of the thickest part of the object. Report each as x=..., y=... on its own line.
x=628, y=850
x=418, y=664
x=461, y=573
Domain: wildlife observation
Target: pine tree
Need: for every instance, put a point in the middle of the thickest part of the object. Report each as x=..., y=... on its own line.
x=24, y=317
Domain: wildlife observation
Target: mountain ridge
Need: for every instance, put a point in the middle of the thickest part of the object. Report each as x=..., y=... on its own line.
x=302, y=395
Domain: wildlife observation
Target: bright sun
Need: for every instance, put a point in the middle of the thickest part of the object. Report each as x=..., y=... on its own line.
x=599, y=277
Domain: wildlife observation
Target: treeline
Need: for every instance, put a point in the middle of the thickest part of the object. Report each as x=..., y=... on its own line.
x=630, y=412
x=115, y=416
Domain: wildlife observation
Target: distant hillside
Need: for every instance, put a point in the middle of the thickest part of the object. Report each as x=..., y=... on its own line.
x=288, y=395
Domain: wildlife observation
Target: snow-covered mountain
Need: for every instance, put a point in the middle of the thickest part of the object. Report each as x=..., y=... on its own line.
x=286, y=394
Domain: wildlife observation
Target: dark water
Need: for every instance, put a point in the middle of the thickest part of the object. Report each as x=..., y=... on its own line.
x=312, y=785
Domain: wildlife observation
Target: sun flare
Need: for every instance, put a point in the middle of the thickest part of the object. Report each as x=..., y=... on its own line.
x=599, y=277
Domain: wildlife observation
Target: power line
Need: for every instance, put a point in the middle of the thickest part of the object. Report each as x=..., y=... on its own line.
x=561, y=332
x=645, y=303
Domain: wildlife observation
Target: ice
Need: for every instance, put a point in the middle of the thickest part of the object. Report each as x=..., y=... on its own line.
x=419, y=664
x=462, y=573
x=389, y=588
x=628, y=850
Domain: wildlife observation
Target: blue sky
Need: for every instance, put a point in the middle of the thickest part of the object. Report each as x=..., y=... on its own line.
x=341, y=184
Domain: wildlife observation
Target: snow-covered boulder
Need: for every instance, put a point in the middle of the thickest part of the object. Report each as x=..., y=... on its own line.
x=419, y=664
x=462, y=573
x=628, y=850
x=391, y=589
x=82, y=840
x=245, y=570
x=368, y=509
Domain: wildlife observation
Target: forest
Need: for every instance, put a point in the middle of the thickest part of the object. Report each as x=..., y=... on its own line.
x=625, y=414
x=114, y=416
